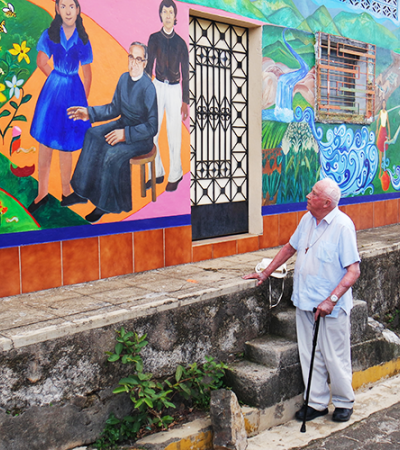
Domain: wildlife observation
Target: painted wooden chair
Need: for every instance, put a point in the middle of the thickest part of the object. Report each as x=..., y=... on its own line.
x=142, y=160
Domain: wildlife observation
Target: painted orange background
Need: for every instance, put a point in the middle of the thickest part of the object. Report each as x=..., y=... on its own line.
x=109, y=62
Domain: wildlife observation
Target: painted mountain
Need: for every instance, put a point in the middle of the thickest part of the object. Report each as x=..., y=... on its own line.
x=302, y=43
x=291, y=18
x=320, y=20
x=268, y=7
x=363, y=26
x=242, y=7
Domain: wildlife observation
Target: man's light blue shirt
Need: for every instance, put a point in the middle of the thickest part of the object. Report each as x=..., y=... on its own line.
x=332, y=246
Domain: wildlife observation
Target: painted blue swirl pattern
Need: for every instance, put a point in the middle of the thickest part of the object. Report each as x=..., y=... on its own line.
x=350, y=158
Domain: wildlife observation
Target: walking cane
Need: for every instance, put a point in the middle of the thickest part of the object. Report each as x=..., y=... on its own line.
x=303, y=427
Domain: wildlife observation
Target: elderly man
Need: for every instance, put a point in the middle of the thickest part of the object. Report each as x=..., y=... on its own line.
x=327, y=265
x=102, y=174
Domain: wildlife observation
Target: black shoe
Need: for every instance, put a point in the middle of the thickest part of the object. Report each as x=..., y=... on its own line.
x=35, y=206
x=72, y=199
x=95, y=215
x=311, y=413
x=171, y=187
x=342, y=414
x=159, y=180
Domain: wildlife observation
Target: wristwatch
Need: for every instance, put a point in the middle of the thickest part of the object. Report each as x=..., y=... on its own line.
x=334, y=298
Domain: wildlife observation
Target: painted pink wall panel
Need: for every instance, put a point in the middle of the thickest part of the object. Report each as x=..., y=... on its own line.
x=133, y=20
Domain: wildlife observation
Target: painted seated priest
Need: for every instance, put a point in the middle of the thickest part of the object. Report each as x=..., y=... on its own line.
x=102, y=174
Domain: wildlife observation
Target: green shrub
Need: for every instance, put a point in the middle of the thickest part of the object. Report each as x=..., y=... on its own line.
x=152, y=398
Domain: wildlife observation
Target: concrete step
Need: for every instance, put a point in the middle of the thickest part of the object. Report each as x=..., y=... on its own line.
x=271, y=371
x=272, y=351
x=283, y=323
x=261, y=386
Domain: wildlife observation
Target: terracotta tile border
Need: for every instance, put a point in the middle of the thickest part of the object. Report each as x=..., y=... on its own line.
x=169, y=246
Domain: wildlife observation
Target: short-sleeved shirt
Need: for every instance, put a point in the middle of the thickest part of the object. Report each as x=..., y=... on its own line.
x=68, y=53
x=332, y=246
x=63, y=88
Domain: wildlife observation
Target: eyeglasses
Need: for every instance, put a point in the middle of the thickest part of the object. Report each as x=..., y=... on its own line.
x=137, y=60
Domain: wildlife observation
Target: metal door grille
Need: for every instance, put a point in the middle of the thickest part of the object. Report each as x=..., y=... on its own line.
x=218, y=66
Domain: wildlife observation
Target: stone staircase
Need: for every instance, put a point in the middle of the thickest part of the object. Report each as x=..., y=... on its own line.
x=269, y=379
x=270, y=372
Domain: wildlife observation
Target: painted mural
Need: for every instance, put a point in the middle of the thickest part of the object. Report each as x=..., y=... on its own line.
x=77, y=101
x=297, y=151
x=364, y=160
x=54, y=56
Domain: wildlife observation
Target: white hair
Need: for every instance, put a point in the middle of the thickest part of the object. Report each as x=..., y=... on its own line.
x=331, y=190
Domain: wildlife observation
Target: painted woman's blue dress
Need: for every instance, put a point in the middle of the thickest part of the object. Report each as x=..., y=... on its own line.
x=62, y=89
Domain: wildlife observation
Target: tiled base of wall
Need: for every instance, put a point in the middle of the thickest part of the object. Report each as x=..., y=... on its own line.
x=43, y=266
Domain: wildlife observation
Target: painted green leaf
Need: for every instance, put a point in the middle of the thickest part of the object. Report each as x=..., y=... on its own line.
x=20, y=118
x=5, y=113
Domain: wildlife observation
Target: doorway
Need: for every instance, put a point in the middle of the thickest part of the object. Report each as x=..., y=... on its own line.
x=218, y=66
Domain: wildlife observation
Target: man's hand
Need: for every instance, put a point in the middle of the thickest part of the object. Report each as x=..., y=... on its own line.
x=283, y=255
x=350, y=277
x=324, y=308
x=78, y=113
x=115, y=136
x=256, y=276
x=184, y=110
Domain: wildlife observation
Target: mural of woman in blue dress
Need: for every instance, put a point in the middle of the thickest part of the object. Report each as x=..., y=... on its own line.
x=68, y=43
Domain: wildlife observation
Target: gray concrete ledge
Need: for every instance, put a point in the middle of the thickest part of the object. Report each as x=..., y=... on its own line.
x=53, y=366
x=46, y=315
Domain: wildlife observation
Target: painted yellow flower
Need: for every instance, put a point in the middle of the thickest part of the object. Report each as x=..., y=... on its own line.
x=2, y=96
x=22, y=52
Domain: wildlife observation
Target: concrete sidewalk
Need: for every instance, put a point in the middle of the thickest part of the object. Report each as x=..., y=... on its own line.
x=358, y=433
x=37, y=317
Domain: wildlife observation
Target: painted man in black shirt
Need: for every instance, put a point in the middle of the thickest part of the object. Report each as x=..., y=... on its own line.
x=170, y=53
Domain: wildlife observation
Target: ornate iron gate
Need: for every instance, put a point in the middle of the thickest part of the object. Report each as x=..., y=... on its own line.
x=218, y=64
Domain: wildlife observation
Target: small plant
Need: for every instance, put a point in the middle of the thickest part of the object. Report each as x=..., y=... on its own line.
x=115, y=431
x=152, y=398
x=393, y=320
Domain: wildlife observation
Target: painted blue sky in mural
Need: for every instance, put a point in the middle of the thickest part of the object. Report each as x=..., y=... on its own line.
x=308, y=7
x=335, y=6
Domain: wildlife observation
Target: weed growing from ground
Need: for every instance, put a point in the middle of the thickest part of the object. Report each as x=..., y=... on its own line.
x=152, y=398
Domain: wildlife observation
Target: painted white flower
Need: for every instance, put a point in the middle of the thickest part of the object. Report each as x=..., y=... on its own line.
x=298, y=137
x=14, y=85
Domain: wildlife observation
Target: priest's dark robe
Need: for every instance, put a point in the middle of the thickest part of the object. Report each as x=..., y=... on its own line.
x=102, y=174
